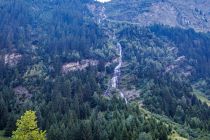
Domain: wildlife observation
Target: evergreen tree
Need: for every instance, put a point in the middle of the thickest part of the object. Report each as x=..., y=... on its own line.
x=3, y=113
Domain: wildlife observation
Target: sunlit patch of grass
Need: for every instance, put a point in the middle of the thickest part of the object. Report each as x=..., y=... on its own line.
x=201, y=96
x=176, y=136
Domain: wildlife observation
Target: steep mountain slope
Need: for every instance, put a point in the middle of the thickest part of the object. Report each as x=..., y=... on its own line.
x=102, y=71
x=176, y=13
x=160, y=64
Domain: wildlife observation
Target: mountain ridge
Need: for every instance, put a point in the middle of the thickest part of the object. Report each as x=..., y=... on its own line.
x=188, y=14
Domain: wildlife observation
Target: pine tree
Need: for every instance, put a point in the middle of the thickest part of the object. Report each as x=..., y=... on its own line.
x=27, y=128
x=3, y=113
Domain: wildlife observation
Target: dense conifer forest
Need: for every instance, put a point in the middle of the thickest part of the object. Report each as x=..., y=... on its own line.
x=57, y=60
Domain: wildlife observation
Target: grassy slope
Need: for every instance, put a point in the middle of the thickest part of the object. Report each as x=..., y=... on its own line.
x=175, y=135
x=178, y=129
x=201, y=96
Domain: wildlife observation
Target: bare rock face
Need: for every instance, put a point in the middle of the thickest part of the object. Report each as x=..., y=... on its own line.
x=158, y=13
x=80, y=65
x=131, y=94
x=178, y=65
x=12, y=59
x=175, y=13
x=22, y=94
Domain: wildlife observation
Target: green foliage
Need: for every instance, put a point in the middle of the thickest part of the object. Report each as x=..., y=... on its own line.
x=27, y=128
x=165, y=91
x=49, y=34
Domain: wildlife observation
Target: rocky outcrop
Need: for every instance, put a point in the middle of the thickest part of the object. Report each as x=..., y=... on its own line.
x=22, y=94
x=12, y=59
x=131, y=94
x=79, y=65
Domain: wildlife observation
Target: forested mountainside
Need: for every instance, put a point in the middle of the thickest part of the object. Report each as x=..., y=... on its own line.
x=121, y=70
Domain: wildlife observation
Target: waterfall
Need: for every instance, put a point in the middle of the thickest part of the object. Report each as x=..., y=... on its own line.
x=113, y=84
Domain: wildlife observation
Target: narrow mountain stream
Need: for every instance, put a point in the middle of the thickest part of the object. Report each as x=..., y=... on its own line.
x=113, y=84
x=117, y=72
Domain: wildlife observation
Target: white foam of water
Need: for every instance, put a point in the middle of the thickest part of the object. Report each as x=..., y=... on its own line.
x=103, y=1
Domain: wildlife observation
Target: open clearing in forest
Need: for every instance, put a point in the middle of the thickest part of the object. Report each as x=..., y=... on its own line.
x=201, y=96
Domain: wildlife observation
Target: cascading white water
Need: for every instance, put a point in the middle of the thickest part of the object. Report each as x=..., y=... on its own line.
x=117, y=71
x=103, y=1
x=114, y=80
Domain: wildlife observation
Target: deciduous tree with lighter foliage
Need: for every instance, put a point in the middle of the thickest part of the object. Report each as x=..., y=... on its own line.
x=27, y=128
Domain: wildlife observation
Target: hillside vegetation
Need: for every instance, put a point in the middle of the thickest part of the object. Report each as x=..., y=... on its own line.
x=90, y=73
